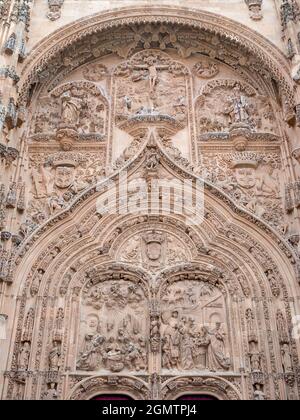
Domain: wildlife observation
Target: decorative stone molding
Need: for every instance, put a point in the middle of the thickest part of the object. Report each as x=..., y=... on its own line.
x=216, y=387
x=95, y=386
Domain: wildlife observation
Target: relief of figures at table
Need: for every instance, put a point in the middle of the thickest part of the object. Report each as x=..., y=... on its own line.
x=81, y=106
x=224, y=104
x=194, y=328
x=56, y=180
x=114, y=325
x=252, y=179
x=151, y=83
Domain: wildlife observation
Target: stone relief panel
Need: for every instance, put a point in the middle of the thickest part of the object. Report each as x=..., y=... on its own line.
x=78, y=109
x=114, y=328
x=151, y=84
x=154, y=250
x=194, y=328
x=57, y=179
x=252, y=179
x=225, y=104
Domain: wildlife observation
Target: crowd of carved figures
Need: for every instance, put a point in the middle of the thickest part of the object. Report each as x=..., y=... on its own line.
x=114, y=328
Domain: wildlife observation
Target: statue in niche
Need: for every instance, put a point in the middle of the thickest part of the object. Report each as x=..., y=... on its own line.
x=51, y=394
x=71, y=107
x=238, y=107
x=54, y=357
x=286, y=359
x=23, y=357
x=255, y=361
x=193, y=338
x=259, y=395
x=216, y=350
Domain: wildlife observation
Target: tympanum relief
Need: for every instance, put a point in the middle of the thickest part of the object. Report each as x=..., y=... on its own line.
x=76, y=109
x=114, y=328
x=154, y=250
x=227, y=104
x=194, y=333
x=193, y=110
x=151, y=86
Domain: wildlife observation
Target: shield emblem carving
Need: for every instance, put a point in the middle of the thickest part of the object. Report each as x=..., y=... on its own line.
x=64, y=176
x=154, y=251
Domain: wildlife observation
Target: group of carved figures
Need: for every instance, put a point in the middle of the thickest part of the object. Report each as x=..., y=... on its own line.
x=186, y=347
x=126, y=351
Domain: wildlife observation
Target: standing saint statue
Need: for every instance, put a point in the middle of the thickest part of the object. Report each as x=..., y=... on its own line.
x=70, y=109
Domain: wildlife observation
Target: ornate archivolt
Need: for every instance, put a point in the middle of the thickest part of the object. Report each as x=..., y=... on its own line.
x=148, y=300
x=146, y=304
x=216, y=25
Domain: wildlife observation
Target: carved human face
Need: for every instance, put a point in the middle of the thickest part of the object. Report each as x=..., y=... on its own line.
x=175, y=314
x=245, y=177
x=92, y=323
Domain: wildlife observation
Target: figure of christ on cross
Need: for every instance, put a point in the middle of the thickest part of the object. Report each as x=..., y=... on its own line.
x=152, y=69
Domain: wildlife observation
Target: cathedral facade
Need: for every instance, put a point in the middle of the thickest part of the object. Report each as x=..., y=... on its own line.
x=149, y=199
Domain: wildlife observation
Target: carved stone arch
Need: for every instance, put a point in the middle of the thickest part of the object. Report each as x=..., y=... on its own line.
x=219, y=388
x=215, y=24
x=56, y=249
x=91, y=387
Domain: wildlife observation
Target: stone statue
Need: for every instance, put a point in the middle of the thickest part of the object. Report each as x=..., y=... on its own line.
x=23, y=357
x=238, y=107
x=286, y=359
x=54, y=357
x=70, y=109
x=259, y=395
x=217, y=358
x=51, y=394
x=255, y=360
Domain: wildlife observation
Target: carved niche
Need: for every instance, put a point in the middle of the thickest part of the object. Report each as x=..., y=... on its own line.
x=114, y=328
x=194, y=328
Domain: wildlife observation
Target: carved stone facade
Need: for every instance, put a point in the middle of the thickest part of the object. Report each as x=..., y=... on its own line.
x=145, y=303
